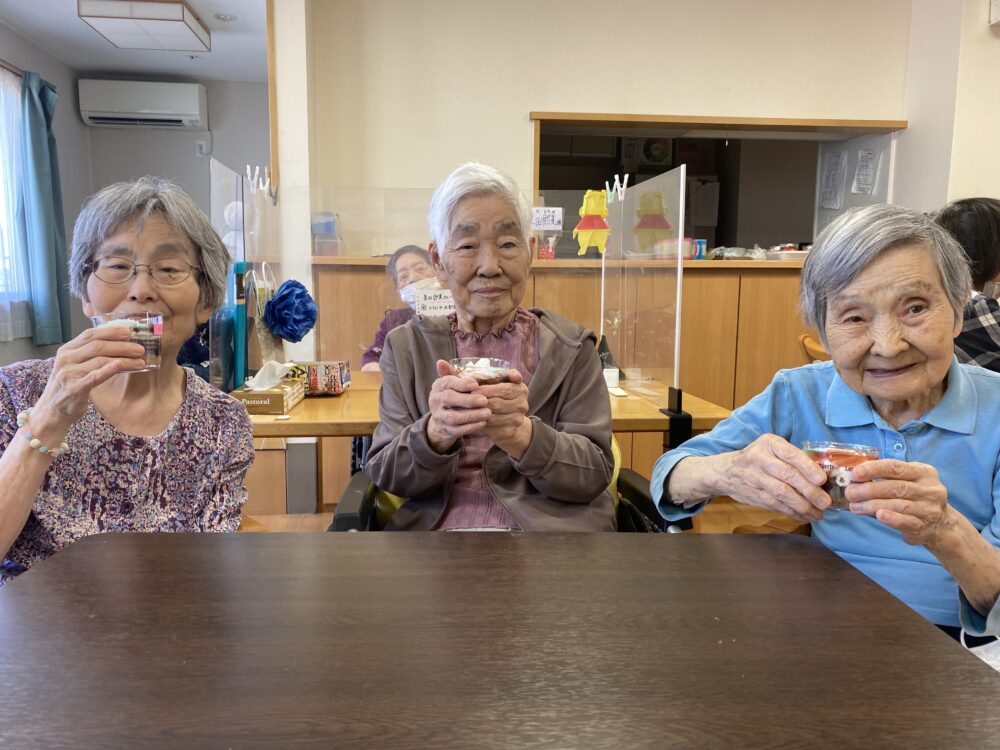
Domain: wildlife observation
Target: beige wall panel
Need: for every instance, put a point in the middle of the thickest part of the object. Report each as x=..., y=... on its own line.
x=334, y=458
x=625, y=446
x=975, y=150
x=769, y=327
x=352, y=302
x=265, y=479
x=646, y=448
x=573, y=294
x=708, y=335
x=394, y=106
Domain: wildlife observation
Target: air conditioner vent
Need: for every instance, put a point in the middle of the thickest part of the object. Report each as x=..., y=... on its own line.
x=152, y=123
x=143, y=104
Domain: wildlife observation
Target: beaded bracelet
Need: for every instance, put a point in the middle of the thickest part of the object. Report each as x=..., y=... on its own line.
x=22, y=421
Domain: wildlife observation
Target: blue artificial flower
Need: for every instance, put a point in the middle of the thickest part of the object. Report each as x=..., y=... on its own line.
x=291, y=313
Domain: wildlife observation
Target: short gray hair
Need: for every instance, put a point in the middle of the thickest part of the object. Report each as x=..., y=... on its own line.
x=107, y=209
x=471, y=180
x=857, y=237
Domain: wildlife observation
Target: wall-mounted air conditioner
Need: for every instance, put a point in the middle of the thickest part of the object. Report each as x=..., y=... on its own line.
x=143, y=104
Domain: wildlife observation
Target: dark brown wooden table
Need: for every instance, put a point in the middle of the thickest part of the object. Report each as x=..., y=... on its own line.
x=475, y=641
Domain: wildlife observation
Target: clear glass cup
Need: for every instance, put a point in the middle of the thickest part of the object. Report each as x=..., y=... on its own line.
x=484, y=370
x=147, y=330
x=838, y=461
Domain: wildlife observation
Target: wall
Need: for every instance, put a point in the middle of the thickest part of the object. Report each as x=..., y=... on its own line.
x=777, y=192
x=923, y=151
x=73, y=139
x=237, y=118
x=409, y=90
x=975, y=149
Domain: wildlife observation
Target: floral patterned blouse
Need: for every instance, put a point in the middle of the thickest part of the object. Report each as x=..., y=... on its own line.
x=188, y=478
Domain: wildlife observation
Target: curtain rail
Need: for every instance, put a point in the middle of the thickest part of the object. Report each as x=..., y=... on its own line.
x=12, y=68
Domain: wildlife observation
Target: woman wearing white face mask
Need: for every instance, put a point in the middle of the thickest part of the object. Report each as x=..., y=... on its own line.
x=408, y=266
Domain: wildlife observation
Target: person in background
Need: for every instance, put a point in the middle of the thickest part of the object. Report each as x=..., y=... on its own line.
x=975, y=223
x=408, y=265
x=885, y=286
x=530, y=446
x=90, y=443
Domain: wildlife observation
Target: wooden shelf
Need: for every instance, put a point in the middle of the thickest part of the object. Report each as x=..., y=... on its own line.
x=563, y=264
x=338, y=260
x=611, y=121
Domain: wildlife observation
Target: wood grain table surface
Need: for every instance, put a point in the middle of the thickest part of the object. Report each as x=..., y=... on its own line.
x=442, y=640
x=355, y=412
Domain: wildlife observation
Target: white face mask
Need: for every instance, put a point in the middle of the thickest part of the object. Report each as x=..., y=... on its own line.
x=992, y=289
x=409, y=292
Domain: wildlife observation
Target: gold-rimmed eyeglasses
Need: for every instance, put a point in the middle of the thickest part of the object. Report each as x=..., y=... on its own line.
x=120, y=270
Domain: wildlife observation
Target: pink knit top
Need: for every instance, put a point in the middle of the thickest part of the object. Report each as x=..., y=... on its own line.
x=472, y=505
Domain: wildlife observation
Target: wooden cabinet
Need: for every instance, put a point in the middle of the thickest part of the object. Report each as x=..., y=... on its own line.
x=265, y=479
x=768, y=330
x=739, y=325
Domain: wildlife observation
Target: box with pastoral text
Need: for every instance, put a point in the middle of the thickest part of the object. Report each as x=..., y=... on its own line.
x=277, y=400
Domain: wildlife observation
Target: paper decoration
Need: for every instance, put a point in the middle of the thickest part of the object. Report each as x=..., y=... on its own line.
x=592, y=230
x=866, y=172
x=547, y=218
x=831, y=186
x=434, y=302
x=652, y=226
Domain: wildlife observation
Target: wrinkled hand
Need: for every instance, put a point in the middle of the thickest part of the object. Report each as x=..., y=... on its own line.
x=80, y=365
x=509, y=426
x=458, y=408
x=909, y=498
x=772, y=473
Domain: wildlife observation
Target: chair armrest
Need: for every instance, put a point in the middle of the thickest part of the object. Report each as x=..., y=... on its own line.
x=634, y=487
x=354, y=510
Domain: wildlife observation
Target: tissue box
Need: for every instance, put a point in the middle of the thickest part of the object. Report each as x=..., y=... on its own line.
x=324, y=378
x=277, y=400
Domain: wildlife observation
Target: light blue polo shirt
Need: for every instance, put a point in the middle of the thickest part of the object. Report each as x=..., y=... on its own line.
x=960, y=437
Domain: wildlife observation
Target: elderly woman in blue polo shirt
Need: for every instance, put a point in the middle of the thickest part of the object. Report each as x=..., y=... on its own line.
x=886, y=288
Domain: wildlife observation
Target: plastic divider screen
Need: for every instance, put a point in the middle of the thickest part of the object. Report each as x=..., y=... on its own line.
x=628, y=294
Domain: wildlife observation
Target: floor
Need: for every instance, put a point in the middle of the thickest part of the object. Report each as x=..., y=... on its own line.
x=720, y=517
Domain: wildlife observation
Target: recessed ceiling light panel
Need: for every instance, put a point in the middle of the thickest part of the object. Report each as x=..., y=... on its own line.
x=160, y=24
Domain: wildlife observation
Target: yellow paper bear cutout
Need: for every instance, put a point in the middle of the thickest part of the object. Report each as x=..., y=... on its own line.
x=592, y=229
x=652, y=226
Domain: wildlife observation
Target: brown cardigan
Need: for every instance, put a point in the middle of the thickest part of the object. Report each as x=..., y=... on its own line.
x=561, y=481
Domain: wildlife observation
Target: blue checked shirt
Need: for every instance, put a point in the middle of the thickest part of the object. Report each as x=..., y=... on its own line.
x=979, y=341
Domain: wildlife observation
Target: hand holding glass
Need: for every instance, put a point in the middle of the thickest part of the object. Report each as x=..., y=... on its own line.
x=838, y=461
x=147, y=330
x=484, y=370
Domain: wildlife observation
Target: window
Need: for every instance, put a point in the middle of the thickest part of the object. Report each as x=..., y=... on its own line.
x=15, y=318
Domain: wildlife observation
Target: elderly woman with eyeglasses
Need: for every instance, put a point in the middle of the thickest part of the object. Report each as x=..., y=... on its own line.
x=886, y=288
x=93, y=442
x=530, y=452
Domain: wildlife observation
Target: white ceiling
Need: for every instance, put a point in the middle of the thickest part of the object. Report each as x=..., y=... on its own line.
x=239, y=48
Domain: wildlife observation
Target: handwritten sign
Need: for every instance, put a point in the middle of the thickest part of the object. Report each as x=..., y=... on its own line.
x=547, y=218
x=434, y=302
x=866, y=172
x=831, y=180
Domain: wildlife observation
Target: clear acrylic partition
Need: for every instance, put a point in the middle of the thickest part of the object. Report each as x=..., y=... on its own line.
x=370, y=222
x=636, y=283
x=354, y=231
x=249, y=223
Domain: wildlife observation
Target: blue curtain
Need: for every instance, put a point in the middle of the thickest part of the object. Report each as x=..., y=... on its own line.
x=41, y=213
